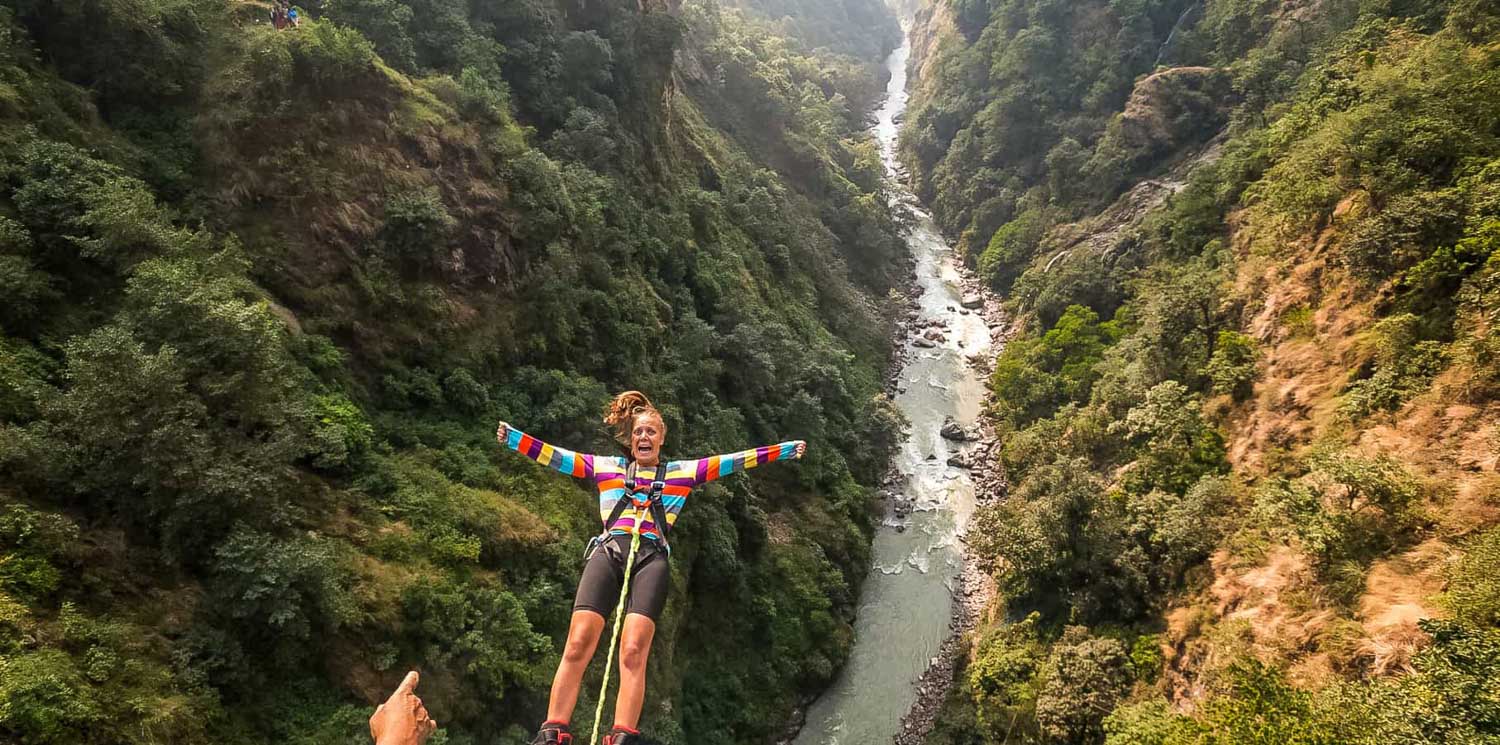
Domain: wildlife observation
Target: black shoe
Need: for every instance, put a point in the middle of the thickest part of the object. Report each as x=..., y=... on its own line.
x=622, y=736
x=553, y=733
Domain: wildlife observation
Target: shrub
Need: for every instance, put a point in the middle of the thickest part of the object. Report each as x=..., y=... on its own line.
x=1432, y=288
x=1059, y=544
x=1262, y=708
x=1071, y=430
x=1403, y=365
x=1299, y=322
x=1080, y=278
x=342, y=436
x=1175, y=313
x=1149, y=722
x=1179, y=531
x=1401, y=234
x=1448, y=698
x=131, y=441
x=479, y=632
x=26, y=291
x=1474, y=20
x=458, y=525
x=1146, y=657
x=1479, y=329
x=35, y=547
x=1010, y=249
x=384, y=23
x=1033, y=377
x=289, y=588
x=331, y=58
x=75, y=204
x=46, y=699
x=1474, y=582
x=1085, y=677
x=1232, y=367
x=1002, y=680
x=1346, y=509
x=417, y=226
x=1175, y=446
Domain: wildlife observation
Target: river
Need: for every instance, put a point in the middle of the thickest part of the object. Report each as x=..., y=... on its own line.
x=907, y=600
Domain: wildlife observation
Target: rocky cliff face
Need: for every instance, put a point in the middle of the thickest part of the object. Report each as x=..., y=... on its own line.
x=929, y=24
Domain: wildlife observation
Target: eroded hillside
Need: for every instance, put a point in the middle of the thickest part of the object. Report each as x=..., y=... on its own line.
x=1250, y=414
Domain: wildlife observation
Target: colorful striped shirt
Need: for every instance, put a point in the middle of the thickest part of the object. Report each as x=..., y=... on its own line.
x=608, y=473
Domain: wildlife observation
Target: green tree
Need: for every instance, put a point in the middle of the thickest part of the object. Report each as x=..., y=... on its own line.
x=1085, y=677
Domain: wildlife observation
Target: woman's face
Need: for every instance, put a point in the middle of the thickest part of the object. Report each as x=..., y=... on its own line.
x=646, y=438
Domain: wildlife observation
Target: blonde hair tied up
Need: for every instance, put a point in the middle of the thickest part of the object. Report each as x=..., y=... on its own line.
x=620, y=414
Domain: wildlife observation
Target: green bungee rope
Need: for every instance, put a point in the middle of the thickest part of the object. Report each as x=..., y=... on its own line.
x=614, y=636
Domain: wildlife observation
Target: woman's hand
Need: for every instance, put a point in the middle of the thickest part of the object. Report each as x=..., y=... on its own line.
x=402, y=719
x=801, y=449
x=502, y=433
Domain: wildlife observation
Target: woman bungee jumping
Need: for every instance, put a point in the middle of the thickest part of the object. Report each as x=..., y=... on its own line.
x=639, y=502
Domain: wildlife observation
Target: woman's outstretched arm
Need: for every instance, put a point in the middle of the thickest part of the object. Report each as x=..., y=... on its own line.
x=707, y=469
x=558, y=459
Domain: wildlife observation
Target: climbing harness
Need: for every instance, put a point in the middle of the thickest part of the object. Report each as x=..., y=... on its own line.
x=653, y=505
x=657, y=510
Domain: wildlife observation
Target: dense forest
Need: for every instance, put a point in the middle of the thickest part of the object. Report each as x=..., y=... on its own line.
x=264, y=295
x=1249, y=413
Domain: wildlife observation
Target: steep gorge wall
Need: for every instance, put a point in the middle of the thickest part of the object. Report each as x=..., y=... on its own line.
x=930, y=24
x=1249, y=419
x=266, y=294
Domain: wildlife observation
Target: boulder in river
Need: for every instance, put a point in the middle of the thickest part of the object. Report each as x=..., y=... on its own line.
x=973, y=301
x=952, y=430
x=933, y=335
x=924, y=343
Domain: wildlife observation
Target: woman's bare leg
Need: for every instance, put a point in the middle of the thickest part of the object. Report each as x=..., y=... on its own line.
x=635, y=647
x=583, y=637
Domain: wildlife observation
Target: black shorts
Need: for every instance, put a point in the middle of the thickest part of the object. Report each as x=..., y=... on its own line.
x=604, y=572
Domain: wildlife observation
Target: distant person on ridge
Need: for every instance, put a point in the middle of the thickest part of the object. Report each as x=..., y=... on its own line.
x=291, y=16
x=638, y=426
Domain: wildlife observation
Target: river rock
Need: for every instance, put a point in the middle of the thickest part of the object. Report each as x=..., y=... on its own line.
x=924, y=343
x=973, y=301
x=934, y=335
x=952, y=430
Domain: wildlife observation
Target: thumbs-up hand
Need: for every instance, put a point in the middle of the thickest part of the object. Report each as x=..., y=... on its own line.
x=402, y=719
